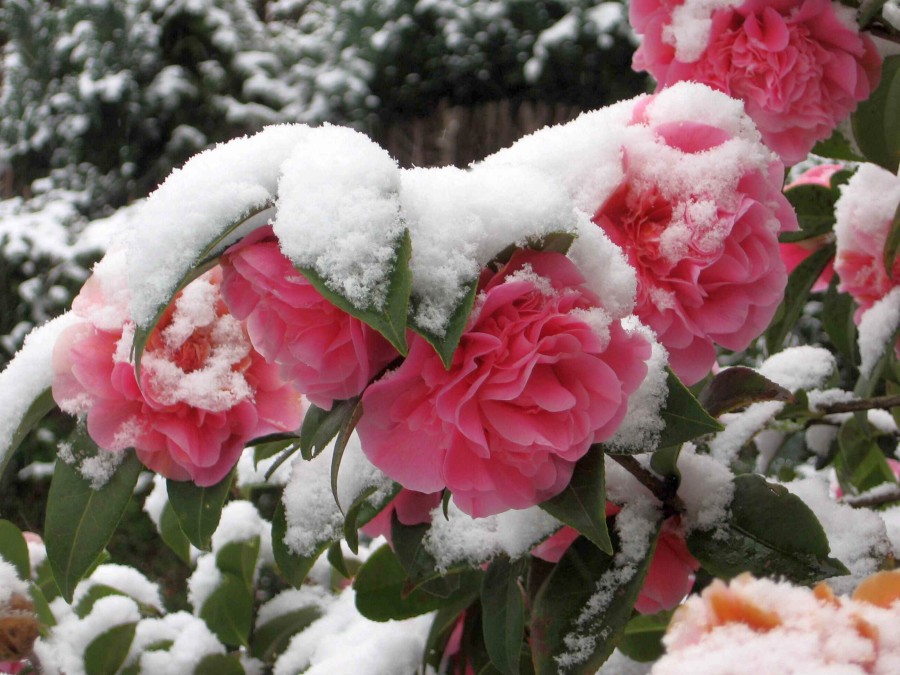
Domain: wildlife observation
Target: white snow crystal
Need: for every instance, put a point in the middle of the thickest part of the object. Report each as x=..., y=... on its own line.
x=877, y=326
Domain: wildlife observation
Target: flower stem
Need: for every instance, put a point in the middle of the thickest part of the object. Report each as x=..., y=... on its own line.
x=665, y=491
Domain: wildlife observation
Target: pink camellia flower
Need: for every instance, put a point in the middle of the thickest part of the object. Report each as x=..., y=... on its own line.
x=794, y=253
x=697, y=213
x=671, y=574
x=204, y=391
x=864, y=214
x=539, y=375
x=800, y=66
x=326, y=353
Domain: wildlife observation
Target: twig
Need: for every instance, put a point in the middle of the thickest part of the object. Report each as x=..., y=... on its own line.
x=883, y=34
x=883, y=402
x=663, y=490
x=879, y=498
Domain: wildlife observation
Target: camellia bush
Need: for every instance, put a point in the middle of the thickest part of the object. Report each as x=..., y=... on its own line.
x=614, y=399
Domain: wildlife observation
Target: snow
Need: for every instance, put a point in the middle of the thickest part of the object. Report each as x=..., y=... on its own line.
x=291, y=600
x=124, y=579
x=803, y=367
x=690, y=28
x=459, y=538
x=706, y=489
x=26, y=377
x=191, y=642
x=740, y=427
x=10, y=583
x=394, y=647
x=215, y=189
x=312, y=515
x=878, y=325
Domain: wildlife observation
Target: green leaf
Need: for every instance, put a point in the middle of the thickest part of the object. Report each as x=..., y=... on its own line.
x=860, y=463
x=14, y=550
x=37, y=411
x=41, y=607
x=172, y=534
x=239, y=559
x=381, y=590
x=503, y=612
x=391, y=320
x=363, y=509
x=272, y=637
x=228, y=611
x=445, y=345
x=199, y=508
x=107, y=652
x=219, y=664
x=665, y=463
x=892, y=244
x=814, y=205
x=685, y=418
x=95, y=593
x=320, y=426
x=869, y=11
x=294, y=568
x=340, y=445
x=643, y=636
x=874, y=122
x=837, y=146
x=560, y=609
x=444, y=623
x=206, y=260
x=768, y=532
x=267, y=449
x=837, y=320
x=738, y=387
x=336, y=559
x=796, y=295
x=80, y=520
x=582, y=504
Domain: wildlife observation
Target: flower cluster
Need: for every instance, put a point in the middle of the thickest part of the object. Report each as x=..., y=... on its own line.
x=800, y=66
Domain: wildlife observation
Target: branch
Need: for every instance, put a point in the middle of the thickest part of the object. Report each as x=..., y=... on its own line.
x=874, y=498
x=883, y=402
x=663, y=490
x=883, y=34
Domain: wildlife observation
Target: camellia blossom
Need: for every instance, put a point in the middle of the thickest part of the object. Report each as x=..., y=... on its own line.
x=326, y=353
x=864, y=214
x=794, y=253
x=753, y=626
x=204, y=390
x=800, y=66
x=697, y=213
x=539, y=375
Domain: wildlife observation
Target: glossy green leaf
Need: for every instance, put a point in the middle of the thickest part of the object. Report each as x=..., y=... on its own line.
x=199, y=508
x=239, y=559
x=814, y=205
x=737, y=387
x=860, y=463
x=445, y=345
x=643, y=636
x=107, y=652
x=892, y=244
x=768, y=532
x=685, y=418
x=875, y=120
x=381, y=587
x=14, y=550
x=340, y=445
x=837, y=146
x=363, y=509
x=837, y=320
x=228, y=611
x=294, y=568
x=219, y=664
x=582, y=504
x=391, y=320
x=503, y=612
x=172, y=534
x=206, y=260
x=869, y=11
x=796, y=295
x=267, y=449
x=80, y=520
x=336, y=559
x=560, y=613
x=37, y=411
x=665, y=463
x=272, y=638
x=321, y=426
x=90, y=598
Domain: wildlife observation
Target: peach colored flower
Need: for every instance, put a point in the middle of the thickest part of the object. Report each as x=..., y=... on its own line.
x=326, y=353
x=697, y=214
x=800, y=66
x=204, y=391
x=540, y=374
